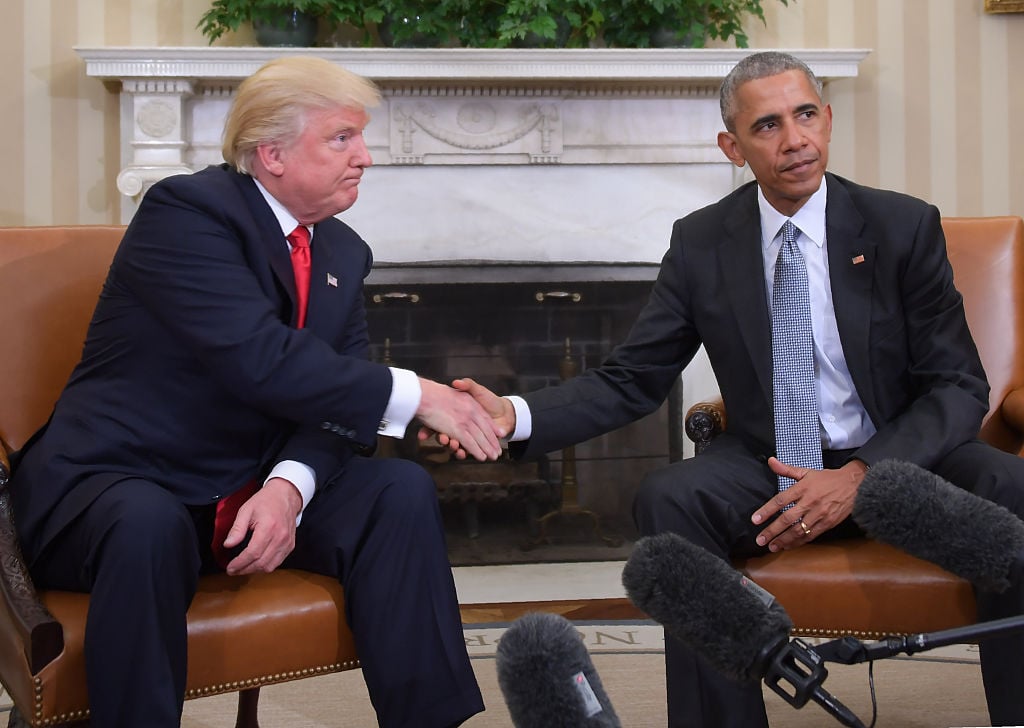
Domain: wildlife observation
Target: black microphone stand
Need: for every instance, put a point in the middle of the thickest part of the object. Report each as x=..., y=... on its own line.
x=851, y=651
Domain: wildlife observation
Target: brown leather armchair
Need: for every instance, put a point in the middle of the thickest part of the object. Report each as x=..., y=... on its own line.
x=864, y=588
x=243, y=632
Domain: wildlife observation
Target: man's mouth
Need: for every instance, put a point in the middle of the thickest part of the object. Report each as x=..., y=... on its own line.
x=799, y=166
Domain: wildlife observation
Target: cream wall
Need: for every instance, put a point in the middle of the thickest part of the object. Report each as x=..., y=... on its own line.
x=935, y=111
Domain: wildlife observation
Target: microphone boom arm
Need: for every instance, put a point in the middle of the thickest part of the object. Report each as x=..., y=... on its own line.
x=851, y=651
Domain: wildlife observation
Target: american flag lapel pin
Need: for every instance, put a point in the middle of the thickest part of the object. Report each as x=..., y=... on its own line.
x=333, y=282
x=857, y=259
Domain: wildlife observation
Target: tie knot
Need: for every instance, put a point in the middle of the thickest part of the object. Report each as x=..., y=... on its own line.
x=789, y=232
x=299, y=237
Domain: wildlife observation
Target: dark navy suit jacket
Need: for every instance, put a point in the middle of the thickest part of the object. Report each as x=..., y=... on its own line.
x=193, y=375
x=900, y=320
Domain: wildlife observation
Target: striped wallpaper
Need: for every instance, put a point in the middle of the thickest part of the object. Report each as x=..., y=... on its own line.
x=936, y=111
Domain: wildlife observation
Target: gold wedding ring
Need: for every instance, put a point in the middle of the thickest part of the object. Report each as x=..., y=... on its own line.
x=807, y=530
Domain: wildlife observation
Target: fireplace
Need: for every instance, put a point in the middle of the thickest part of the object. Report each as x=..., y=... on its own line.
x=499, y=174
x=515, y=328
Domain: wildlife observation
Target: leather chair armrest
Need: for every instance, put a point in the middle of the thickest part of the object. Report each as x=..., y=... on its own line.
x=704, y=421
x=1012, y=409
x=40, y=635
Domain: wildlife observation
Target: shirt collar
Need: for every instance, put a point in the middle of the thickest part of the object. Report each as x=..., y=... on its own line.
x=810, y=218
x=285, y=219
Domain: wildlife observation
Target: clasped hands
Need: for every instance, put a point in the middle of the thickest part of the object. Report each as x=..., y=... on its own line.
x=470, y=418
x=819, y=500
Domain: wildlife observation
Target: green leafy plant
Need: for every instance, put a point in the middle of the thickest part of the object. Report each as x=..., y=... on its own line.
x=513, y=23
x=559, y=23
x=645, y=23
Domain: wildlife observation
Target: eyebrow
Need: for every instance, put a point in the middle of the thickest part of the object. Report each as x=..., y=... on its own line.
x=761, y=120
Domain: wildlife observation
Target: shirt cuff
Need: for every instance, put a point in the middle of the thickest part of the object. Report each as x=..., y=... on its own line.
x=301, y=476
x=403, y=403
x=524, y=420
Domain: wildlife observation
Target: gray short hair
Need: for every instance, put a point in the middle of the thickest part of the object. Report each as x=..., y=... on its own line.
x=753, y=67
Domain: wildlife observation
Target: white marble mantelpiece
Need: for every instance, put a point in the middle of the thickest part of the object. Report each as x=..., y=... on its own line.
x=449, y=64
x=527, y=154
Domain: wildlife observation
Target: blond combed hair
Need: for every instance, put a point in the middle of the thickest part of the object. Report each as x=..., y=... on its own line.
x=270, y=106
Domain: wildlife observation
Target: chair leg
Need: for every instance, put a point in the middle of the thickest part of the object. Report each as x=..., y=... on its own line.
x=248, y=705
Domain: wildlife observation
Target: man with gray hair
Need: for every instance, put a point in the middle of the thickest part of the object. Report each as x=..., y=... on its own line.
x=838, y=340
x=222, y=414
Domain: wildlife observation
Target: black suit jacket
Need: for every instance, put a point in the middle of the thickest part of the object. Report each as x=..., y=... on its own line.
x=900, y=319
x=193, y=375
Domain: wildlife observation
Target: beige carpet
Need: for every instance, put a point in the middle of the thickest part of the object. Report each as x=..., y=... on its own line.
x=938, y=689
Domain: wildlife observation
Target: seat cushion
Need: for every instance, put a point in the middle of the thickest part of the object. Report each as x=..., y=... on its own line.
x=243, y=632
x=863, y=588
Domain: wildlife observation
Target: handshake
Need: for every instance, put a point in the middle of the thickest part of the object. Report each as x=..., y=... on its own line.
x=466, y=417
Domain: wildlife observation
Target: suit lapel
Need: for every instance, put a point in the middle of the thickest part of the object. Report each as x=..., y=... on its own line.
x=742, y=264
x=851, y=262
x=325, y=282
x=274, y=247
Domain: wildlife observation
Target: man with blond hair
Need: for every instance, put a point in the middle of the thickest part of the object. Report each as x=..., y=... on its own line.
x=226, y=368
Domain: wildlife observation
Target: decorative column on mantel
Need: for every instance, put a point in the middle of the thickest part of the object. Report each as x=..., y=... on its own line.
x=464, y=106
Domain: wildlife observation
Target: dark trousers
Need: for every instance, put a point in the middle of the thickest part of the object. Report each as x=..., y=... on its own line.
x=377, y=528
x=709, y=500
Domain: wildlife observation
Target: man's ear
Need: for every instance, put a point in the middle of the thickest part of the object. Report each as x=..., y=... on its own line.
x=270, y=158
x=727, y=143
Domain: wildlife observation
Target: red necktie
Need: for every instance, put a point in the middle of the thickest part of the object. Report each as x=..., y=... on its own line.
x=227, y=508
x=299, y=238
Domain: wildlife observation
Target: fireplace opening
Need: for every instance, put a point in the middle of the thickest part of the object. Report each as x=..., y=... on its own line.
x=516, y=328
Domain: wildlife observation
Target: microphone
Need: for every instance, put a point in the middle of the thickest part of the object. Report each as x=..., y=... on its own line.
x=547, y=678
x=725, y=617
x=908, y=507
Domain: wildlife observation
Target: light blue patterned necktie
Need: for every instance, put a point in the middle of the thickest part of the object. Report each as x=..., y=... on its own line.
x=797, y=437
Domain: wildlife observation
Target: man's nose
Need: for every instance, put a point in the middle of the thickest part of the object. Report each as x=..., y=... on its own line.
x=794, y=136
x=362, y=156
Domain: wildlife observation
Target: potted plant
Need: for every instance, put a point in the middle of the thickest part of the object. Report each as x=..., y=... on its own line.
x=687, y=23
x=284, y=22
